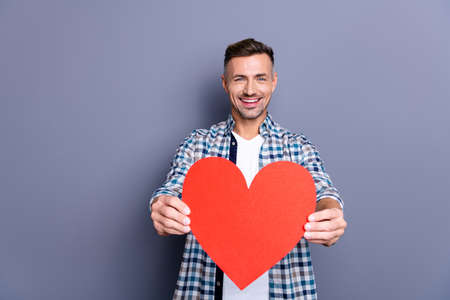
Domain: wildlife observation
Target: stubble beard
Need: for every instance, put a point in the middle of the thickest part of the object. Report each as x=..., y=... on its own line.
x=249, y=116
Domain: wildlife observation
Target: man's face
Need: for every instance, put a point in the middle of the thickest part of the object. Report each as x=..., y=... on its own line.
x=249, y=83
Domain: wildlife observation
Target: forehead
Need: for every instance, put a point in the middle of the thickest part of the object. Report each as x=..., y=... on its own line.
x=253, y=64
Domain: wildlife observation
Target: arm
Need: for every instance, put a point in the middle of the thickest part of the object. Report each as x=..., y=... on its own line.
x=168, y=213
x=327, y=224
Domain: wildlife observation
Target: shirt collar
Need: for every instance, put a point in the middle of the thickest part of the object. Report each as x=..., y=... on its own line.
x=267, y=127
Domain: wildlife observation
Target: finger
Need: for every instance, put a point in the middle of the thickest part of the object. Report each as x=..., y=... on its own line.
x=321, y=226
x=167, y=222
x=324, y=235
x=171, y=213
x=178, y=205
x=325, y=214
x=320, y=235
x=162, y=211
x=331, y=225
x=172, y=227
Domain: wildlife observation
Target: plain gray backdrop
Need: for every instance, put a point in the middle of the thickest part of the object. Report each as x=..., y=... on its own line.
x=97, y=95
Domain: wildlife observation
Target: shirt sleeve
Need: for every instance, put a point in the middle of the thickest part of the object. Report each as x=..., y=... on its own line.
x=306, y=154
x=182, y=161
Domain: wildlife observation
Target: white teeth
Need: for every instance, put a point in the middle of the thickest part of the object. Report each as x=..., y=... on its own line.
x=249, y=101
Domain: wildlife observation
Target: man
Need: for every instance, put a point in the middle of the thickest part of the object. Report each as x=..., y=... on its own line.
x=251, y=139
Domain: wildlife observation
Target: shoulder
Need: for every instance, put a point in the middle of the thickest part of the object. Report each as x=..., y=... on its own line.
x=292, y=138
x=214, y=131
x=299, y=146
x=206, y=134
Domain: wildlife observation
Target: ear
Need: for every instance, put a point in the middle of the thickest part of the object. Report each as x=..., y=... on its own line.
x=274, y=81
x=224, y=83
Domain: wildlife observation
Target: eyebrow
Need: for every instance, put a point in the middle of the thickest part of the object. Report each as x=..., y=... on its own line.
x=257, y=75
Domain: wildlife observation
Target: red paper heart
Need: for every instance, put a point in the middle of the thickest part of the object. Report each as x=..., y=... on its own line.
x=247, y=231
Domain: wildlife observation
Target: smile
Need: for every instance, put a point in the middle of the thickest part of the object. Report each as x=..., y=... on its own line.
x=250, y=100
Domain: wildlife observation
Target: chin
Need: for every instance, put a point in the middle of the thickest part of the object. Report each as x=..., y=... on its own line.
x=250, y=116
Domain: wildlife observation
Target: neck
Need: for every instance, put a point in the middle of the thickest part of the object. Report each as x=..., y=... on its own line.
x=247, y=128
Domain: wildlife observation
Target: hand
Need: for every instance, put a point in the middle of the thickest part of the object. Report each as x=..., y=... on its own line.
x=325, y=226
x=169, y=215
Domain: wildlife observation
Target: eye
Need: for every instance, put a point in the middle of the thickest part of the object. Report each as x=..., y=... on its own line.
x=261, y=78
x=238, y=79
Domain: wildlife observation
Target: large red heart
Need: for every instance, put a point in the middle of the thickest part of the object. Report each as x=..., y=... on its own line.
x=247, y=231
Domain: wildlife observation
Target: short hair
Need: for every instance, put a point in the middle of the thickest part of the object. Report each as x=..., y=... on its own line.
x=246, y=47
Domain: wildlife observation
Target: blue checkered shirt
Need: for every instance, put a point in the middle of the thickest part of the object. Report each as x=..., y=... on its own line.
x=292, y=277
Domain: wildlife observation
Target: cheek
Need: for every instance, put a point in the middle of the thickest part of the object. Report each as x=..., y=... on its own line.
x=234, y=90
x=267, y=89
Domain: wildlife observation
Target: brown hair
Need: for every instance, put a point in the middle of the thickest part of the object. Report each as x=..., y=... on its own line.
x=246, y=47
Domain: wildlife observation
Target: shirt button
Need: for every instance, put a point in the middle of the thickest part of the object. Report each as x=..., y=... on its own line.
x=233, y=143
x=218, y=283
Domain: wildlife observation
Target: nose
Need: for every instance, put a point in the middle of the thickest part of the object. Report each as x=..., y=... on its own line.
x=249, y=88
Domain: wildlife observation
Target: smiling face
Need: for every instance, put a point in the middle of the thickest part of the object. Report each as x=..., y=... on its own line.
x=249, y=82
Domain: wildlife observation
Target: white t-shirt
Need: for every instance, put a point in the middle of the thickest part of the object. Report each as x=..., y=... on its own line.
x=247, y=161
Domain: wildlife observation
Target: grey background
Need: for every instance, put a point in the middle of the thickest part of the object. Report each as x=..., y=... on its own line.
x=96, y=96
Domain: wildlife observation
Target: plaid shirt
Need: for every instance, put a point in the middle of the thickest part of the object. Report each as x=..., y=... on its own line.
x=292, y=277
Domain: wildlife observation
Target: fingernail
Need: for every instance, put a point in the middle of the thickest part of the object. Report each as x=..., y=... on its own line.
x=311, y=218
x=307, y=235
x=307, y=226
x=187, y=229
x=186, y=221
x=187, y=211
